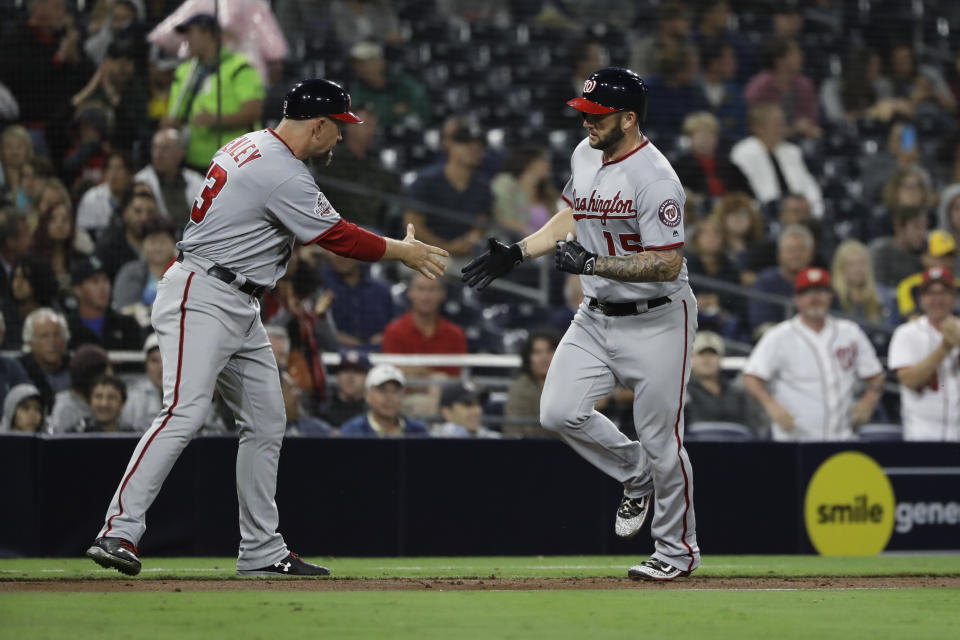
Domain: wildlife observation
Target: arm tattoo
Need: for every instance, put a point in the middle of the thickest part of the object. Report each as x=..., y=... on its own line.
x=646, y=266
x=523, y=250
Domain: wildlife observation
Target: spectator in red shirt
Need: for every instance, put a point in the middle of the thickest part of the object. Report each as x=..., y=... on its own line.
x=423, y=330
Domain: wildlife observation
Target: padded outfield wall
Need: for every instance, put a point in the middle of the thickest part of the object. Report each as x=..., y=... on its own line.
x=348, y=497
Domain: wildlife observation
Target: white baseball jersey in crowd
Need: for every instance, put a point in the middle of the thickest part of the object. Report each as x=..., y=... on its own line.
x=619, y=198
x=813, y=375
x=933, y=413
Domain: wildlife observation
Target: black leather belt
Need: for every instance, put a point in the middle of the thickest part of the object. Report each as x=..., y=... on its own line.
x=222, y=273
x=627, y=308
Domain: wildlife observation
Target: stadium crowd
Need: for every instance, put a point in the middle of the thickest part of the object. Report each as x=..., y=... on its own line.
x=817, y=141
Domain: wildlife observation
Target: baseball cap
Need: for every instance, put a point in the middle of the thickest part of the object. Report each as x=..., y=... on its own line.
x=812, y=277
x=366, y=51
x=204, y=20
x=85, y=268
x=463, y=392
x=468, y=131
x=708, y=340
x=937, y=274
x=151, y=343
x=384, y=373
x=940, y=243
x=353, y=360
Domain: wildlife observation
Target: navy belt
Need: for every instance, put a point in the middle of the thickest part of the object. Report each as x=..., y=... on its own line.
x=627, y=308
x=228, y=276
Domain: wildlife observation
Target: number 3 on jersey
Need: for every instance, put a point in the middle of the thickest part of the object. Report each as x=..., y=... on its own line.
x=210, y=191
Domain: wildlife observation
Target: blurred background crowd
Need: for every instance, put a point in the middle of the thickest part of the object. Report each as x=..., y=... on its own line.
x=806, y=133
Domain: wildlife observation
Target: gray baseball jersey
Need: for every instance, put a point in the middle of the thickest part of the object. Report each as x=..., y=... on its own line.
x=628, y=205
x=250, y=229
x=257, y=199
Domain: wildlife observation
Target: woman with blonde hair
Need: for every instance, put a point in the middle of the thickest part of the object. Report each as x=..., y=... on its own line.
x=852, y=276
x=742, y=224
x=16, y=150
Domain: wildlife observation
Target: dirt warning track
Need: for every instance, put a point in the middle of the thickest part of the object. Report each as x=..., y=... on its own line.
x=491, y=583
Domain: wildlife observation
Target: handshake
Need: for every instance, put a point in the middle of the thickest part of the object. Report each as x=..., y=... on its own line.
x=500, y=259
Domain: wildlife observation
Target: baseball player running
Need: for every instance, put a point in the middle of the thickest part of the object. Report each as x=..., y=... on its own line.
x=258, y=199
x=636, y=323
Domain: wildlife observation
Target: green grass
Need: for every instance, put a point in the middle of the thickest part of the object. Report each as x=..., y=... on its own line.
x=873, y=614
x=503, y=567
x=558, y=615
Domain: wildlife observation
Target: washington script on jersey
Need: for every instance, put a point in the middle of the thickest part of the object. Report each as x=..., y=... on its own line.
x=604, y=206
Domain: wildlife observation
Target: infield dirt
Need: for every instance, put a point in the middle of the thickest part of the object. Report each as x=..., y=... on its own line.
x=491, y=583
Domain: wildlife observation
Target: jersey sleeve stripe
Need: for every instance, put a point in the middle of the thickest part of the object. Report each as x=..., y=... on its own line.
x=665, y=247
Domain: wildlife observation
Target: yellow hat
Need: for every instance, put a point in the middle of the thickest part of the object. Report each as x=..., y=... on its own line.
x=940, y=243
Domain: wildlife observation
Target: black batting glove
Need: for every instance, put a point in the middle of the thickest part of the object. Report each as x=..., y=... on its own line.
x=572, y=257
x=498, y=260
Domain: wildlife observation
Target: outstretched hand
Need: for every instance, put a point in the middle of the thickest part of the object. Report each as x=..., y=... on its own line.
x=498, y=260
x=423, y=257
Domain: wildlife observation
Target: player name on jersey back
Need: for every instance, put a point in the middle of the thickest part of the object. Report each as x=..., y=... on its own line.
x=258, y=198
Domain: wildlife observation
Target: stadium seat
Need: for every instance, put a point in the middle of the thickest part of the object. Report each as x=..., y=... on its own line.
x=718, y=432
x=880, y=432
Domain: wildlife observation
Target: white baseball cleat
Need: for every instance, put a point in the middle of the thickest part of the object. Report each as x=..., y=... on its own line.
x=631, y=515
x=654, y=569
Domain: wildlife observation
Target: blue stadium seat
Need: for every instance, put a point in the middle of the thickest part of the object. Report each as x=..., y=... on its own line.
x=718, y=432
x=880, y=432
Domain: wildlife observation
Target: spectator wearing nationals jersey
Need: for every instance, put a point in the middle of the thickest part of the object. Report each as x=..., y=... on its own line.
x=385, y=385
x=458, y=188
x=805, y=371
x=925, y=354
x=362, y=306
x=795, y=247
x=93, y=321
